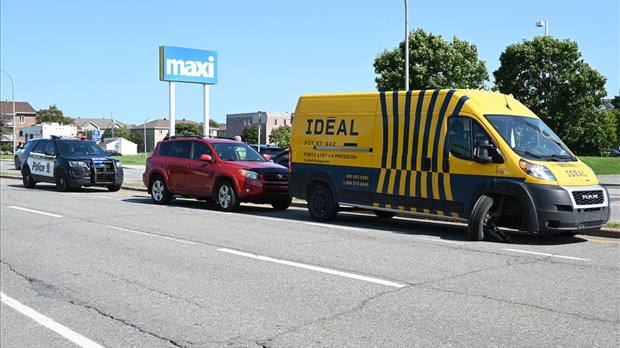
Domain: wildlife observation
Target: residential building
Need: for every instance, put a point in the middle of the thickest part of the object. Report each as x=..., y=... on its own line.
x=157, y=130
x=268, y=120
x=89, y=124
x=25, y=116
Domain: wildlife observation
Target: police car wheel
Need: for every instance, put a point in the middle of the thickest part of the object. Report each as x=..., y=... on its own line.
x=27, y=178
x=227, y=199
x=321, y=205
x=62, y=184
x=159, y=191
x=479, y=219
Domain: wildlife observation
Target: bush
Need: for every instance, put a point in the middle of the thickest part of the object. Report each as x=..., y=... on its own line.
x=7, y=148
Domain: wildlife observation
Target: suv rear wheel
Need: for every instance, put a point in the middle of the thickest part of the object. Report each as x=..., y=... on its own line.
x=159, y=191
x=282, y=204
x=227, y=199
x=27, y=177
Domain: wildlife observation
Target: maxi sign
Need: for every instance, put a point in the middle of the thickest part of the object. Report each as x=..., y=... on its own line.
x=187, y=65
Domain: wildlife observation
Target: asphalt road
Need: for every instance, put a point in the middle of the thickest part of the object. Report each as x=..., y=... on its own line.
x=115, y=270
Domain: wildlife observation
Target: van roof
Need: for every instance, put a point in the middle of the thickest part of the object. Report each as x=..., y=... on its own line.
x=477, y=101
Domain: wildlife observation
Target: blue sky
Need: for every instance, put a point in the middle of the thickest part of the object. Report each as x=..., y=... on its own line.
x=100, y=58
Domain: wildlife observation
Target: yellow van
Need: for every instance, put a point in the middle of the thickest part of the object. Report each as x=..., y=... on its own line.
x=475, y=156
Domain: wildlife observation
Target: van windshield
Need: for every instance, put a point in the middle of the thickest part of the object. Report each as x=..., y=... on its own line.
x=531, y=138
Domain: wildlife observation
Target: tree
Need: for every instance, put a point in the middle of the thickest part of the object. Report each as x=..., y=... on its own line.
x=281, y=136
x=250, y=134
x=138, y=139
x=213, y=123
x=433, y=63
x=549, y=77
x=119, y=132
x=188, y=129
x=53, y=114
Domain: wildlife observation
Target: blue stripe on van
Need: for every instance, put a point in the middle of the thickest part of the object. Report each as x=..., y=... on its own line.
x=385, y=129
x=395, y=130
x=427, y=127
x=407, y=127
x=439, y=131
x=416, y=133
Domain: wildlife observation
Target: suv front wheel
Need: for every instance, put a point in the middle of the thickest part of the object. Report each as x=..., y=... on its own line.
x=227, y=199
x=159, y=191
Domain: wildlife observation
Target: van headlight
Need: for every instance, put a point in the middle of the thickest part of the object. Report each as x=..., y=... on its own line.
x=536, y=170
x=77, y=164
x=248, y=174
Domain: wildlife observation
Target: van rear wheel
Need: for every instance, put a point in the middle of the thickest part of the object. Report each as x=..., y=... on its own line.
x=480, y=219
x=321, y=205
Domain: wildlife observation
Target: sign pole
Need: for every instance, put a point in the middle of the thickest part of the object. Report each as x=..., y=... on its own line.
x=206, y=109
x=172, y=108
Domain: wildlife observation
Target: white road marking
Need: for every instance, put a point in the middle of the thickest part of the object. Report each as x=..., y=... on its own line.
x=150, y=234
x=34, y=211
x=548, y=255
x=314, y=268
x=440, y=240
x=49, y=323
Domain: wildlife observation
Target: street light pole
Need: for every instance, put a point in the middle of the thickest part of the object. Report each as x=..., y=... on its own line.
x=12, y=98
x=406, y=48
x=545, y=24
x=145, y=135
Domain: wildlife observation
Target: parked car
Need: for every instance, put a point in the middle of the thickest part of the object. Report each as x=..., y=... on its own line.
x=225, y=171
x=281, y=158
x=70, y=164
x=112, y=153
x=18, y=158
x=615, y=152
x=267, y=150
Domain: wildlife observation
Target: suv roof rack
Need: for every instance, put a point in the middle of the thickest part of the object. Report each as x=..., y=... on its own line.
x=183, y=137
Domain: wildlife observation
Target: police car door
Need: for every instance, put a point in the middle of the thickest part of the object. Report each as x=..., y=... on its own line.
x=41, y=161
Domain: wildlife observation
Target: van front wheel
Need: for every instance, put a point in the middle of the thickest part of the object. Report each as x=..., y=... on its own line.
x=321, y=205
x=480, y=219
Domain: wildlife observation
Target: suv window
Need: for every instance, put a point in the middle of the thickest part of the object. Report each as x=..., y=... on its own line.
x=200, y=148
x=181, y=149
x=40, y=146
x=50, y=148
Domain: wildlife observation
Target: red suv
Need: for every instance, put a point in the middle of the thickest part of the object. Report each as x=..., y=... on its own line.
x=222, y=170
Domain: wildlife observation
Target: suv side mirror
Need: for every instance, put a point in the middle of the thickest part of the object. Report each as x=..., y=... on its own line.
x=206, y=158
x=486, y=153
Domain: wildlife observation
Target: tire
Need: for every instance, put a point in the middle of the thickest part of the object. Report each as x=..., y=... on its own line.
x=227, y=199
x=114, y=188
x=282, y=204
x=159, y=191
x=27, y=178
x=381, y=214
x=321, y=205
x=479, y=219
x=62, y=184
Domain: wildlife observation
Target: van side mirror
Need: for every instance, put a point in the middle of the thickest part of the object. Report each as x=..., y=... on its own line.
x=487, y=153
x=206, y=158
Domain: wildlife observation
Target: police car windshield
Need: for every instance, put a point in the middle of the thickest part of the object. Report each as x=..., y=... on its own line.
x=237, y=152
x=530, y=137
x=79, y=148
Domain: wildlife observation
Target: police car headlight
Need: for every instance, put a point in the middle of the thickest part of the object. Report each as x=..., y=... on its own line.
x=76, y=164
x=537, y=171
x=248, y=174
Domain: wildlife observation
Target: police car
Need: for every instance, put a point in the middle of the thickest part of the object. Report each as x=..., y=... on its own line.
x=70, y=164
